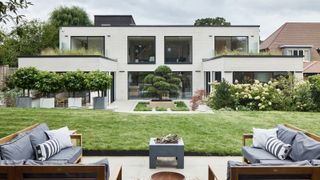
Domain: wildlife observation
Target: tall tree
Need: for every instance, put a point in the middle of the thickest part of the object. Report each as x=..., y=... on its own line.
x=24, y=39
x=217, y=21
x=63, y=16
x=9, y=10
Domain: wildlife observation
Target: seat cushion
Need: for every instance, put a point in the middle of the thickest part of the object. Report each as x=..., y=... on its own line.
x=285, y=134
x=70, y=154
x=254, y=155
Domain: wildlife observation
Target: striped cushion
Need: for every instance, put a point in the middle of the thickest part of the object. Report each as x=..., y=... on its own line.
x=47, y=149
x=277, y=148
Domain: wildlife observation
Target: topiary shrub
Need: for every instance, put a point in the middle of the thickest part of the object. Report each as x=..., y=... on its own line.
x=302, y=97
x=162, y=83
x=222, y=97
x=98, y=81
x=25, y=79
x=49, y=82
x=74, y=81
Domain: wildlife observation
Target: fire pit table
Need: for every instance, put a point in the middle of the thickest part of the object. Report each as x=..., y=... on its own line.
x=166, y=150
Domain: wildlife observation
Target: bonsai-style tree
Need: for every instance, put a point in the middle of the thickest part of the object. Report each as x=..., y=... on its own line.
x=25, y=79
x=49, y=82
x=98, y=81
x=162, y=83
x=74, y=81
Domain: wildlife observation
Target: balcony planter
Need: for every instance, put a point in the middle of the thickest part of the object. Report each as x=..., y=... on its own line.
x=100, y=102
x=46, y=102
x=162, y=103
x=74, y=102
x=24, y=102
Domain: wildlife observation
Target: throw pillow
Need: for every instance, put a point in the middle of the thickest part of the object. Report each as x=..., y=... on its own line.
x=260, y=136
x=38, y=135
x=278, y=148
x=285, y=134
x=47, y=149
x=304, y=148
x=62, y=135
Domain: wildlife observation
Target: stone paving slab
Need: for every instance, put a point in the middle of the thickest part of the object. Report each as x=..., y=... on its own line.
x=195, y=167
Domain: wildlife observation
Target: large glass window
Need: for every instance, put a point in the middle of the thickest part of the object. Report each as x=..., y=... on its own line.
x=94, y=44
x=225, y=44
x=141, y=50
x=178, y=50
x=249, y=77
x=136, y=84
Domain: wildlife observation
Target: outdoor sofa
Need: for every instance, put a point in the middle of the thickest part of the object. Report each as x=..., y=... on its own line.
x=65, y=165
x=260, y=164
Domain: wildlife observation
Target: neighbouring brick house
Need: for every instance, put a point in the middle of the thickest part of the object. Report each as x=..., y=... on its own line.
x=297, y=39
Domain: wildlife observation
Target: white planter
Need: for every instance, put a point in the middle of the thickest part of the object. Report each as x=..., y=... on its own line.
x=75, y=102
x=202, y=108
x=36, y=103
x=46, y=102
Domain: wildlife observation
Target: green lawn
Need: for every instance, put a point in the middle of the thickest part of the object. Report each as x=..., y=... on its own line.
x=218, y=133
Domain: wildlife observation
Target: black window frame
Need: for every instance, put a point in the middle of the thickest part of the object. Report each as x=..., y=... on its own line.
x=155, y=51
x=215, y=52
x=273, y=75
x=191, y=50
x=103, y=37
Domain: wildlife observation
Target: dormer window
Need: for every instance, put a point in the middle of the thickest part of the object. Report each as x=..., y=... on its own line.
x=295, y=50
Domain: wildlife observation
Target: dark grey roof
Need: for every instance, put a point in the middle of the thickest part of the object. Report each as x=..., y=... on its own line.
x=113, y=20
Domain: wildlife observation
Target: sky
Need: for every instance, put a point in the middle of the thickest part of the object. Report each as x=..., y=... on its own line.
x=269, y=14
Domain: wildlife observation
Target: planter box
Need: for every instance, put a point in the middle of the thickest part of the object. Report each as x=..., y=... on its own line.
x=24, y=102
x=100, y=102
x=35, y=103
x=75, y=102
x=46, y=102
x=163, y=104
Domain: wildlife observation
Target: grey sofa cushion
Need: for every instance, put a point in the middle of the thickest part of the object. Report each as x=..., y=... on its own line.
x=38, y=135
x=285, y=134
x=275, y=161
x=17, y=149
x=70, y=154
x=254, y=155
x=304, y=148
x=11, y=162
x=38, y=163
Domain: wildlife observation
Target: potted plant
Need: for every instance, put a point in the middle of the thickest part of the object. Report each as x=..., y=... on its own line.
x=25, y=79
x=48, y=84
x=100, y=82
x=162, y=84
x=74, y=81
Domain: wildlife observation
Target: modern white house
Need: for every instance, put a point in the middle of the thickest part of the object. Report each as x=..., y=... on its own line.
x=130, y=52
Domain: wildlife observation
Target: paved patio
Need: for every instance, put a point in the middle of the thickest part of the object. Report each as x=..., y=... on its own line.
x=196, y=167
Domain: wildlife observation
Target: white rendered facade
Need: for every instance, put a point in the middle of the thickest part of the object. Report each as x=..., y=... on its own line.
x=203, y=47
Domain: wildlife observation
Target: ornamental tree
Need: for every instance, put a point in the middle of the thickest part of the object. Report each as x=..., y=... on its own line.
x=49, y=82
x=74, y=81
x=98, y=81
x=162, y=83
x=25, y=79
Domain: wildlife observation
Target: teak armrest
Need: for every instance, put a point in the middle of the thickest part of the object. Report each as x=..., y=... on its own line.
x=211, y=175
x=246, y=137
x=76, y=139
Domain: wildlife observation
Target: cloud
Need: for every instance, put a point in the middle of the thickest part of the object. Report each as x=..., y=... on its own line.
x=270, y=14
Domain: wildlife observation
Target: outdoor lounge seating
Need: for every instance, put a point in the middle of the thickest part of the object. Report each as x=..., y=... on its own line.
x=260, y=164
x=64, y=165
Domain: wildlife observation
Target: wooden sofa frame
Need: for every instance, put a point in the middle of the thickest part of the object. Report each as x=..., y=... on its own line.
x=18, y=172
x=236, y=172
